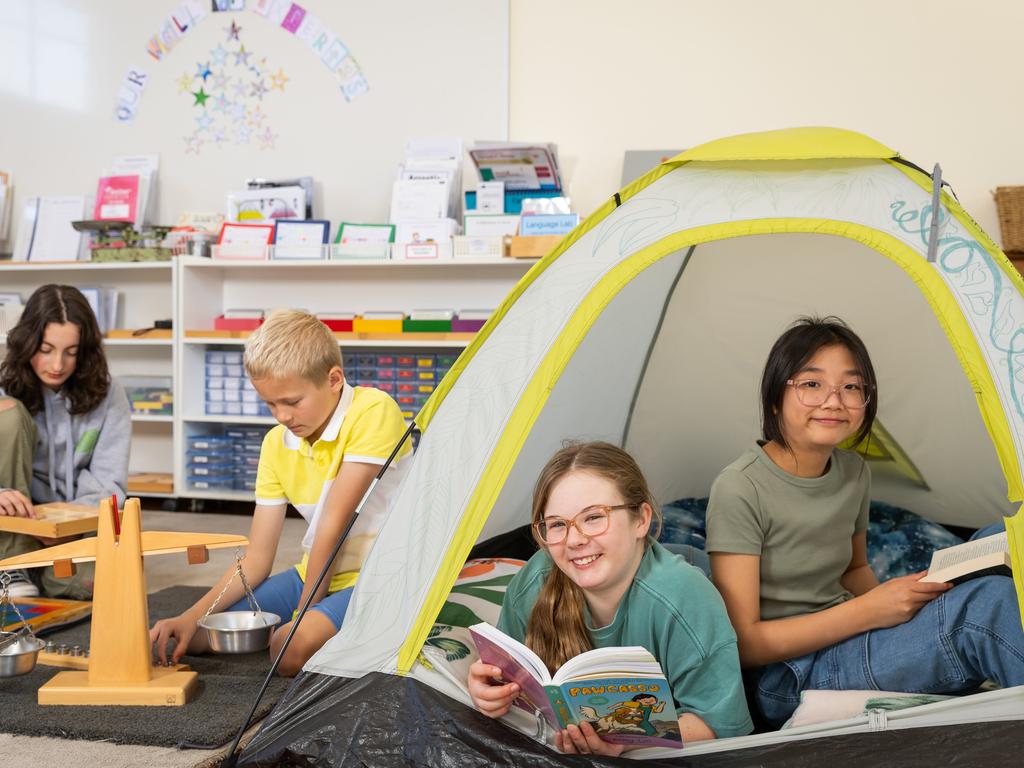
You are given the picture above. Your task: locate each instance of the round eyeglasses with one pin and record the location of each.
(592, 521)
(814, 392)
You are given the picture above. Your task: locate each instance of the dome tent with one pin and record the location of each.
(648, 326)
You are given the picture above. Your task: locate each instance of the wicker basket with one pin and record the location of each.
(1010, 204)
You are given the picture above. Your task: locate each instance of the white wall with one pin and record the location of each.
(939, 81)
(435, 68)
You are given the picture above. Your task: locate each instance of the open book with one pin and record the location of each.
(981, 557)
(621, 692)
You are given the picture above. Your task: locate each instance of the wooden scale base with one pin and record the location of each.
(120, 669)
(167, 687)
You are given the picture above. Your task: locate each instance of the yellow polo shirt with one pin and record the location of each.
(365, 427)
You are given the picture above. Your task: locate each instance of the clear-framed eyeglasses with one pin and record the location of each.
(592, 521)
(814, 392)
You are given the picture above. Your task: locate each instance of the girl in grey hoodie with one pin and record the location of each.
(65, 424)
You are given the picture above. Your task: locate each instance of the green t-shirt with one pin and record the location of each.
(673, 611)
(801, 527)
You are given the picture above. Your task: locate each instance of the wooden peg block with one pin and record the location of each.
(198, 554)
(63, 569)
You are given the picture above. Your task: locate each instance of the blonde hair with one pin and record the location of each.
(557, 628)
(291, 343)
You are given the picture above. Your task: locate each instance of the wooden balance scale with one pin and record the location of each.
(120, 664)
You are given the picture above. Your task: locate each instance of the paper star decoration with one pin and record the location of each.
(278, 80)
(218, 54)
(233, 31)
(242, 57)
(257, 116)
(204, 121)
(219, 82)
(219, 137)
(267, 139)
(240, 89)
(203, 70)
(185, 83)
(193, 144)
(220, 103)
(258, 89)
(242, 134)
(238, 112)
(201, 97)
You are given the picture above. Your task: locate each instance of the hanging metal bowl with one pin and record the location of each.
(239, 631)
(18, 656)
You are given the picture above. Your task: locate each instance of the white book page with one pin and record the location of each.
(629, 661)
(55, 239)
(961, 553)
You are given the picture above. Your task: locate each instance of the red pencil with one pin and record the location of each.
(117, 517)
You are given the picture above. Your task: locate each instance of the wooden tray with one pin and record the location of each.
(151, 482)
(54, 520)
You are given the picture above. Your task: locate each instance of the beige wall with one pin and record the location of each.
(939, 81)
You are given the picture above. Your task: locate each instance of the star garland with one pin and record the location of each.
(228, 92)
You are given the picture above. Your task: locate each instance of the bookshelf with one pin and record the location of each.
(206, 287)
(193, 291)
(146, 294)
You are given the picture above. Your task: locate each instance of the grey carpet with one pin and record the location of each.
(227, 687)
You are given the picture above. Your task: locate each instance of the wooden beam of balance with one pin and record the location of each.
(120, 665)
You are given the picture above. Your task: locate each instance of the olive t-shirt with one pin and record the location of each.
(801, 527)
(673, 611)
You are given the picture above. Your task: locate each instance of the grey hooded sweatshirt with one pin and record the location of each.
(82, 458)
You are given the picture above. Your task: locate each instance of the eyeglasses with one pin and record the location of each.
(814, 392)
(592, 521)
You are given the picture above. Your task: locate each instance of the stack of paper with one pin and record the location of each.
(520, 165)
(104, 303)
(127, 190)
(424, 198)
(45, 232)
(6, 203)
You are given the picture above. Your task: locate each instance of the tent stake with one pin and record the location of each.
(232, 757)
(933, 234)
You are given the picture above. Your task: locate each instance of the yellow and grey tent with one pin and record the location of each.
(648, 326)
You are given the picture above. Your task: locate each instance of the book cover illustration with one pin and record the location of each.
(625, 711)
(117, 198)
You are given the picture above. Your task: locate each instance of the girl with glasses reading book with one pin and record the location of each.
(600, 580)
(787, 535)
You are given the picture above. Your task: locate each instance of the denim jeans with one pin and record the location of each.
(967, 635)
(281, 593)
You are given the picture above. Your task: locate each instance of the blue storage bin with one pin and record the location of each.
(216, 370)
(215, 356)
(214, 409)
(208, 484)
(210, 471)
(215, 382)
(216, 443)
(233, 358)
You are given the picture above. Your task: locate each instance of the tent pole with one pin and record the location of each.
(654, 340)
(232, 756)
(933, 233)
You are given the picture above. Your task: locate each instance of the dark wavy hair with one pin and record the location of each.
(88, 385)
(792, 351)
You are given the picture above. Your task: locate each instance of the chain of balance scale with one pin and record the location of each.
(238, 631)
(250, 596)
(19, 649)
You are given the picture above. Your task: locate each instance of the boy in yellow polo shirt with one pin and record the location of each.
(330, 442)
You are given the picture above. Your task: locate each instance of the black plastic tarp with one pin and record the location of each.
(384, 720)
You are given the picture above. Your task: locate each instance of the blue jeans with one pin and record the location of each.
(967, 635)
(692, 555)
(281, 593)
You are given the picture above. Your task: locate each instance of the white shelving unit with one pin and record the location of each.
(146, 294)
(193, 291)
(205, 288)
